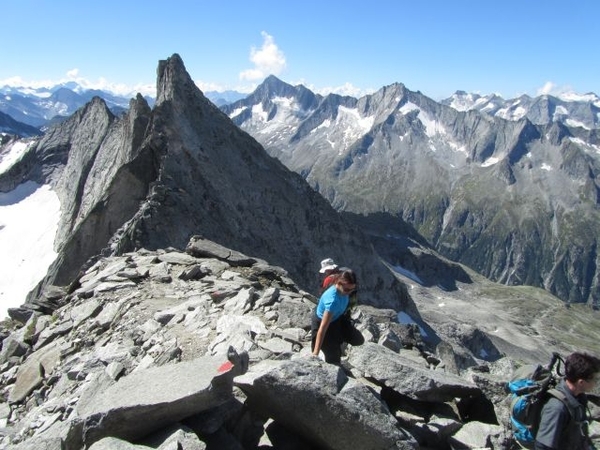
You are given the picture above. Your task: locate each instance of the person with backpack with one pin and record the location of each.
(329, 324)
(563, 419)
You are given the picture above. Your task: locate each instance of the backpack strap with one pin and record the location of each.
(563, 398)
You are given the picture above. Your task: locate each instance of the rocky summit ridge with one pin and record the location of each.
(209, 348)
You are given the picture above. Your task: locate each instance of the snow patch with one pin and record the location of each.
(574, 97)
(408, 107)
(489, 107)
(259, 112)
(29, 217)
(512, 114)
(432, 127)
(363, 124)
(236, 112)
(408, 274)
(585, 145)
(325, 124)
(457, 147)
(559, 111)
(405, 319)
(12, 154)
(576, 124)
(547, 167)
(490, 161)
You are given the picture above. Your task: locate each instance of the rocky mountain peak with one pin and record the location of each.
(173, 81)
(152, 178)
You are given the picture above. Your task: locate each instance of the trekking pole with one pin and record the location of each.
(556, 358)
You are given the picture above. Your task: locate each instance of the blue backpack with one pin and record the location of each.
(530, 388)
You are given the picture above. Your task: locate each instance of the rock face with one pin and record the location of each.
(153, 178)
(515, 201)
(164, 349)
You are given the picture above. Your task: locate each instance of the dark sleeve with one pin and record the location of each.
(539, 446)
(553, 419)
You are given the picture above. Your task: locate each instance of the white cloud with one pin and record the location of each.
(267, 60)
(549, 88)
(105, 85)
(209, 86)
(345, 89)
(20, 82)
(73, 75)
(566, 93)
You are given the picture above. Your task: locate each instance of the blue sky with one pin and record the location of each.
(507, 47)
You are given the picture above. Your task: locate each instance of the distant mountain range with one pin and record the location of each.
(572, 110)
(9, 125)
(41, 107)
(517, 200)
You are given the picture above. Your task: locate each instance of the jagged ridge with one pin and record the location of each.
(154, 177)
(511, 199)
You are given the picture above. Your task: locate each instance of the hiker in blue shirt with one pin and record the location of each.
(563, 423)
(329, 327)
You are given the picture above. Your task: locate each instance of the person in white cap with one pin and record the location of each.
(328, 268)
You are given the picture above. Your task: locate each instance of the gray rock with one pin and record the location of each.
(304, 394)
(113, 443)
(178, 258)
(405, 377)
(85, 310)
(477, 435)
(21, 314)
(294, 313)
(13, 346)
(4, 414)
(33, 371)
(277, 345)
(204, 248)
(390, 340)
(51, 333)
(138, 404)
(115, 369)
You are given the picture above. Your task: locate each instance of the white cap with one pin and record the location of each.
(327, 264)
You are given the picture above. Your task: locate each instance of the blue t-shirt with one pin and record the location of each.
(333, 301)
